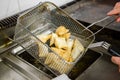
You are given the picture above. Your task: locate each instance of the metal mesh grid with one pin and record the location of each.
(8, 22)
(46, 17)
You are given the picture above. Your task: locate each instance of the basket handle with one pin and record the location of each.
(101, 20)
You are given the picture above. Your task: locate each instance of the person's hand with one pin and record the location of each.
(116, 60)
(115, 11)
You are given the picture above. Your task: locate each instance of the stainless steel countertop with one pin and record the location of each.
(102, 69)
(6, 73)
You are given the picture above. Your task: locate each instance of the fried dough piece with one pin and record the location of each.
(66, 55)
(50, 57)
(43, 50)
(70, 44)
(54, 62)
(52, 39)
(60, 65)
(58, 51)
(66, 36)
(77, 49)
(44, 37)
(60, 43)
(70, 59)
(61, 30)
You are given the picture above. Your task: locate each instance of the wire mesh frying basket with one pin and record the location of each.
(45, 18)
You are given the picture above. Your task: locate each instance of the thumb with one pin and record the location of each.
(118, 19)
(116, 60)
(113, 12)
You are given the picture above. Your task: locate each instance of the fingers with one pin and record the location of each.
(118, 19)
(114, 12)
(117, 5)
(116, 60)
(116, 9)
